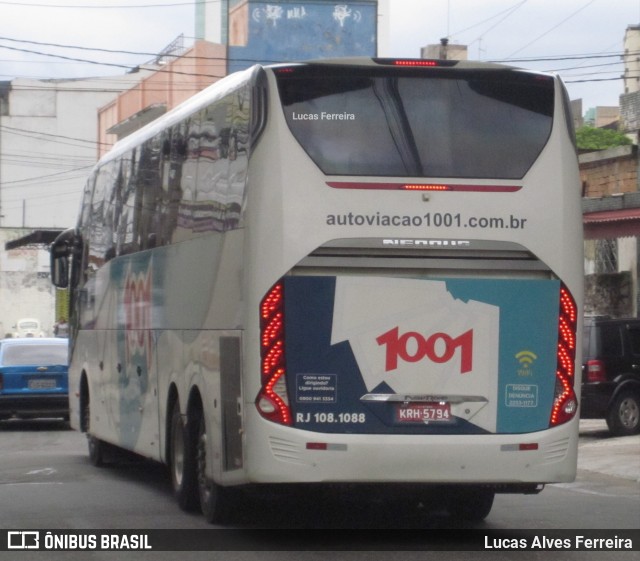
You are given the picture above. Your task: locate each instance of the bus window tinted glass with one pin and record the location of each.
(467, 124)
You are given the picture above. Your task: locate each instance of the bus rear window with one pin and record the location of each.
(487, 124)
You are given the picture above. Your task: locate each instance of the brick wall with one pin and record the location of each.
(609, 172)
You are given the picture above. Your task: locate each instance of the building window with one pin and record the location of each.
(5, 88)
(606, 256)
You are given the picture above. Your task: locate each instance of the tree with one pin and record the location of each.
(591, 138)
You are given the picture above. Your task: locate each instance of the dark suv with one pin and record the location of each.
(611, 373)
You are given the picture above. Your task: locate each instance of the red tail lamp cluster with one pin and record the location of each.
(565, 402)
(273, 401)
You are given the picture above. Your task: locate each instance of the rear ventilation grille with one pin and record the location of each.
(285, 450)
(556, 451)
(411, 254)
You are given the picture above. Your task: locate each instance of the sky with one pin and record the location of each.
(580, 39)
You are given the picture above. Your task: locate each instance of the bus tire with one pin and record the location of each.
(97, 448)
(471, 504)
(623, 418)
(182, 462)
(97, 455)
(215, 500)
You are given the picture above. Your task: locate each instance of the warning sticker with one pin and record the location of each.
(521, 395)
(316, 388)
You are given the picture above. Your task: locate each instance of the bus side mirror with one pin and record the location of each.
(59, 265)
(60, 251)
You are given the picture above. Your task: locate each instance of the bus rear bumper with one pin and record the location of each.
(510, 462)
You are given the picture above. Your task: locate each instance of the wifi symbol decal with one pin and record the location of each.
(526, 358)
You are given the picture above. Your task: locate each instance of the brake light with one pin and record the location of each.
(424, 187)
(596, 371)
(415, 62)
(565, 402)
(273, 401)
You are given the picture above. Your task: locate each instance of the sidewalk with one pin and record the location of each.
(600, 452)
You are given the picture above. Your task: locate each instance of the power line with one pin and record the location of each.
(48, 177)
(509, 14)
(49, 136)
(82, 48)
(104, 7)
(510, 10)
(552, 28)
(137, 67)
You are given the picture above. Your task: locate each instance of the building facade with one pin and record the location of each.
(173, 82)
(48, 131)
(611, 211)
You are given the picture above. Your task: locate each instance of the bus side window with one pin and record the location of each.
(99, 239)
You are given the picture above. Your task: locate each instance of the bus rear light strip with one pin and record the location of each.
(423, 187)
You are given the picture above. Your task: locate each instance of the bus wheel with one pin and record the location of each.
(471, 504)
(97, 448)
(215, 500)
(96, 451)
(182, 463)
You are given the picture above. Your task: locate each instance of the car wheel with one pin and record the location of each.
(182, 462)
(623, 418)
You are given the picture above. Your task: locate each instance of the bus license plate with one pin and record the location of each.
(41, 384)
(424, 413)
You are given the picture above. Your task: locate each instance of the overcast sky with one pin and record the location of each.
(577, 33)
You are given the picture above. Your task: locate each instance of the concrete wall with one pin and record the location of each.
(25, 285)
(47, 147)
(609, 294)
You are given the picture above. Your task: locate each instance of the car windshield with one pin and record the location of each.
(41, 354)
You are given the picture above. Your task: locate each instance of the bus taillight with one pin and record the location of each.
(565, 402)
(273, 401)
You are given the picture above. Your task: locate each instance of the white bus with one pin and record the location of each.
(360, 272)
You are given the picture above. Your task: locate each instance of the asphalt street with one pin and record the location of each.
(601, 453)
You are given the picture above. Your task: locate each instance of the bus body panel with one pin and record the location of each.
(390, 355)
(135, 354)
(294, 456)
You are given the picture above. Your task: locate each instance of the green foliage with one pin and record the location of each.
(591, 138)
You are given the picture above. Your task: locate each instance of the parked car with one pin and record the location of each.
(28, 327)
(611, 373)
(34, 378)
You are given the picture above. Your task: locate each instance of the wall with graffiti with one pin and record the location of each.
(266, 32)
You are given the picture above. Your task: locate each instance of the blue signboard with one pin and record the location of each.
(268, 32)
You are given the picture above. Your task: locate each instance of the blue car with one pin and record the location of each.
(34, 378)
